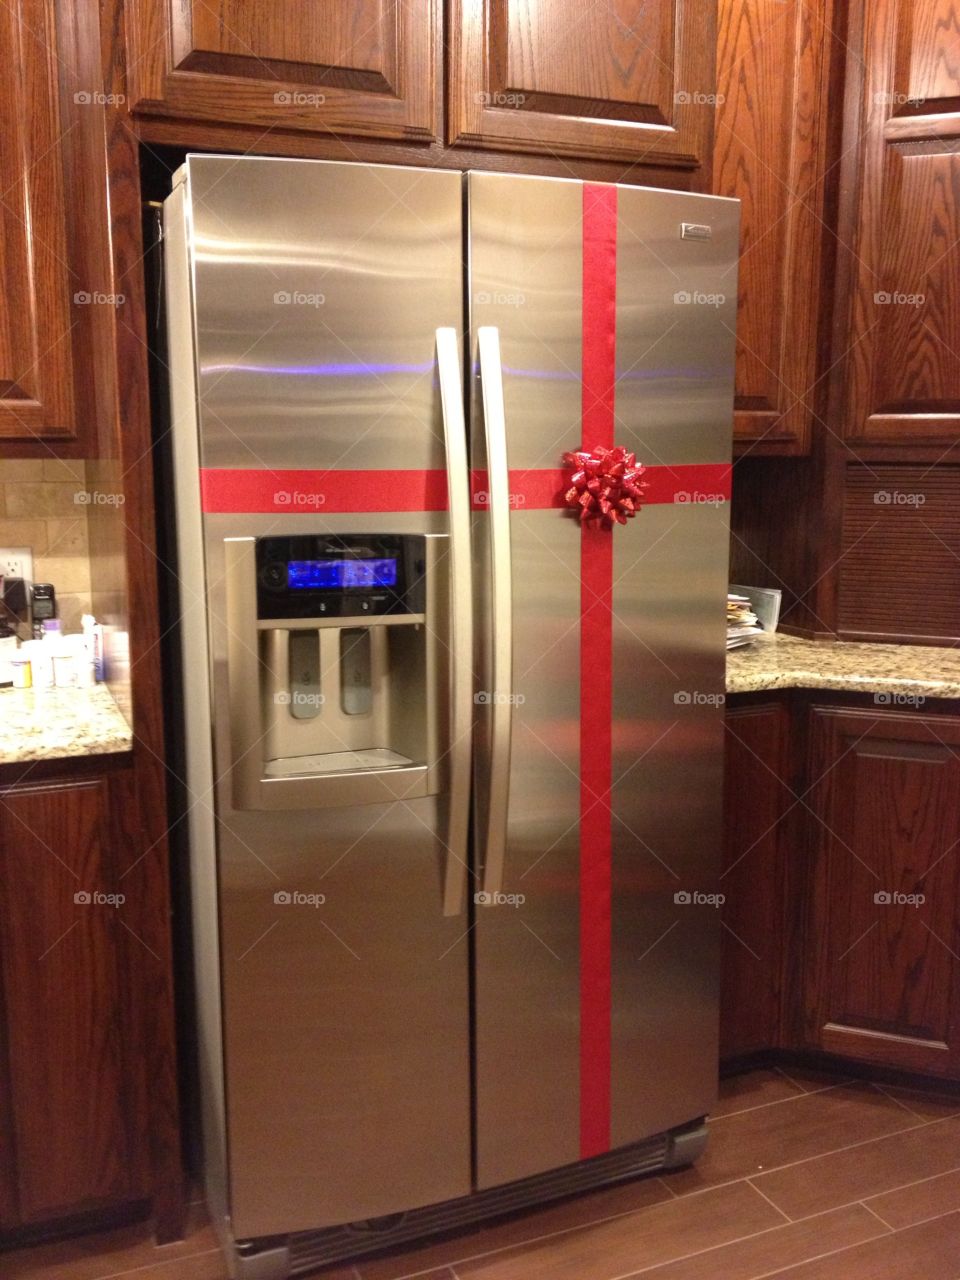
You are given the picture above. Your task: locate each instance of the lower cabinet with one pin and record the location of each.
(81, 1007)
(756, 798)
(842, 881)
(882, 955)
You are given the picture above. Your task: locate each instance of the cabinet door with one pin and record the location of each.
(883, 930)
(904, 332)
(37, 315)
(756, 797)
(60, 938)
(770, 151)
(627, 80)
(345, 66)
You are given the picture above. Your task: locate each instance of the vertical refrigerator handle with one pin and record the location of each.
(500, 694)
(461, 619)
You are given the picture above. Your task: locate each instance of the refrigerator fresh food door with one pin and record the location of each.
(327, 304)
(600, 316)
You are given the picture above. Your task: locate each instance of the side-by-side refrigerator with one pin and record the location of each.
(452, 468)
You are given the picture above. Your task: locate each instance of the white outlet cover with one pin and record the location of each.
(16, 562)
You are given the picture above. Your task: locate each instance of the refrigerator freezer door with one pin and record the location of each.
(318, 291)
(595, 1007)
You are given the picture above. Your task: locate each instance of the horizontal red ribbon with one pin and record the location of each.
(255, 491)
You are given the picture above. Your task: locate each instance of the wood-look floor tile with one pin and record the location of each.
(90, 1257)
(866, 1170)
(548, 1220)
(643, 1239)
(927, 1252)
(925, 1104)
(810, 1079)
(782, 1246)
(809, 1125)
(927, 1199)
(753, 1089)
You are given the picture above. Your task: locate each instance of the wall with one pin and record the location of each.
(42, 506)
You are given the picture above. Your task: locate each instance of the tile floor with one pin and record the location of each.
(806, 1177)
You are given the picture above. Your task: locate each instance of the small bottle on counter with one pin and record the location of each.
(22, 670)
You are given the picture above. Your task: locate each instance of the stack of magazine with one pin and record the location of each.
(743, 625)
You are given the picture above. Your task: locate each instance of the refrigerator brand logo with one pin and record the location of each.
(686, 898)
(294, 898)
(883, 898)
(495, 698)
(295, 298)
(499, 899)
(693, 698)
(894, 498)
(84, 898)
(298, 498)
(500, 299)
(482, 499)
(286, 98)
(697, 499)
(697, 298)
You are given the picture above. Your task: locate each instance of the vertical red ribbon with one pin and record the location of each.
(596, 676)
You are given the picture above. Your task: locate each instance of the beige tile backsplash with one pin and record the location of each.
(38, 509)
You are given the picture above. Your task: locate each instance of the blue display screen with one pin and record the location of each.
(333, 575)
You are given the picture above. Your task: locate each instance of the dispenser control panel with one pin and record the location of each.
(340, 575)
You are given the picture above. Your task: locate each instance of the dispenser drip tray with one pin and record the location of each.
(337, 762)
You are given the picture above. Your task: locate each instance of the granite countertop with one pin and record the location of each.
(787, 662)
(47, 724)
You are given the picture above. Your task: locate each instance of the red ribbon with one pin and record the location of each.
(606, 485)
(598, 362)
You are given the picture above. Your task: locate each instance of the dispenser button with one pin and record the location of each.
(365, 605)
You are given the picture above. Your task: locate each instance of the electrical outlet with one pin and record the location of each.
(16, 562)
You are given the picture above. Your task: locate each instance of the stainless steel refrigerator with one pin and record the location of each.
(453, 751)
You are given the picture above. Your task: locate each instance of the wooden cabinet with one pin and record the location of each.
(756, 798)
(37, 365)
(622, 81)
(882, 974)
(362, 67)
(903, 225)
(85, 1038)
(771, 152)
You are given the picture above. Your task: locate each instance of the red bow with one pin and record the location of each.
(606, 485)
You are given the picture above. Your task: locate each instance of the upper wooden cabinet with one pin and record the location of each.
(773, 72)
(620, 79)
(38, 314)
(365, 67)
(903, 226)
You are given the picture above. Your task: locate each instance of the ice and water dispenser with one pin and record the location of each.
(334, 668)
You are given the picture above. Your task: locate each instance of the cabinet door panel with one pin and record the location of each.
(58, 947)
(37, 316)
(365, 67)
(904, 383)
(883, 931)
(756, 796)
(628, 79)
(773, 69)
